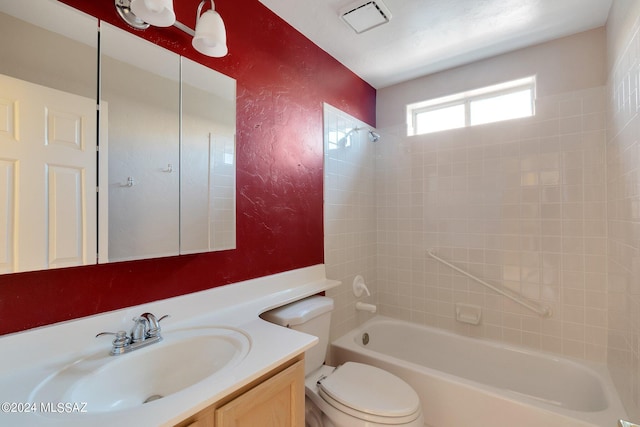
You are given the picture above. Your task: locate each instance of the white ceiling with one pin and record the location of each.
(426, 36)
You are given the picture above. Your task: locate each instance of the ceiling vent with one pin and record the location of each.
(365, 15)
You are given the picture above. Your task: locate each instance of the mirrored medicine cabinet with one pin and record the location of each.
(163, 180)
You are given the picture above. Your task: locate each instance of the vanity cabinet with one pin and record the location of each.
(273, 400)
(204, 421)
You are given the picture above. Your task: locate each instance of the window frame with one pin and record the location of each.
(465, 99)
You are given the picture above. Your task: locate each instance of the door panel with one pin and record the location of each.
(48, 178)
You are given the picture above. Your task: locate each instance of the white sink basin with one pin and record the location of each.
(112, 383)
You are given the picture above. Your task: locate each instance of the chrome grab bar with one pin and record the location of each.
(542, 310)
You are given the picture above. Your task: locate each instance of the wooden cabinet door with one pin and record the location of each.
(277, 402)
(206, 421)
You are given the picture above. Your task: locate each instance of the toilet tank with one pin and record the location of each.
(312, 316)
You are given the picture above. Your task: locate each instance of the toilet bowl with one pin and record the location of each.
(352, 394)
(355, 394)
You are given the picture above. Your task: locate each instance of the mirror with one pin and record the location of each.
(47, 136)
(140, 96)
(208, 172)
(166, 145)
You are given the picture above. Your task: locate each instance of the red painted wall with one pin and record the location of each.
(282, 81)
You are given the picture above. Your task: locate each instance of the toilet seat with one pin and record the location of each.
(370, 393)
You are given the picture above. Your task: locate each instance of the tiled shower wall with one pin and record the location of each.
(623, 203)
(349, 214)
(548, 206)
(518, 203)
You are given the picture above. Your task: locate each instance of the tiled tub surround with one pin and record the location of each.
(551, 200)
(27, 358)
(350, 214)
(519, 203)
(623, 202)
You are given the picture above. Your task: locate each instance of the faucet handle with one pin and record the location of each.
(121, 339)
(153, 323)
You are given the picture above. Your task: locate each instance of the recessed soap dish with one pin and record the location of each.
(468, 313)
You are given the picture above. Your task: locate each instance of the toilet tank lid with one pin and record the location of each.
(299, 312)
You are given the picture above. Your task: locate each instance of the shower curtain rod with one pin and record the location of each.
(542, 310)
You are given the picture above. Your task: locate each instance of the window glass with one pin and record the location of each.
(443, 118)
(504, 101)
(502, 107)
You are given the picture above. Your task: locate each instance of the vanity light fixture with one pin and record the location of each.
(209, 37)
(158, 13)
(123, 7)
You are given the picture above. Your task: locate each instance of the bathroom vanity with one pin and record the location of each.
(217, 363)
(277, 399)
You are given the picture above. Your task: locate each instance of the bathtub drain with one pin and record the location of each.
(365, 338)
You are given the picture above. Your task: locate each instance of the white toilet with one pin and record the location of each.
(353, 394)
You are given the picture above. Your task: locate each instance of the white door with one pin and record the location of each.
(47, 177)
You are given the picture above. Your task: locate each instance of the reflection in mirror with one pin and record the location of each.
(207, 189)
(140, 95)
(48, 87)
(47, 136)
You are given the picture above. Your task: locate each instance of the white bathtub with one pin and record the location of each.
(464, 382)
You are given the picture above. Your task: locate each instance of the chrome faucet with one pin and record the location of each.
(153, 324)
(145, 331)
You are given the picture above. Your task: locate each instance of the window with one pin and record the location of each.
(510, 100)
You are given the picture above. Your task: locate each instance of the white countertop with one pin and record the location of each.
(28, 358)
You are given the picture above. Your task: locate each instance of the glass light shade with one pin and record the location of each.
(211, 36)
(155, 12)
